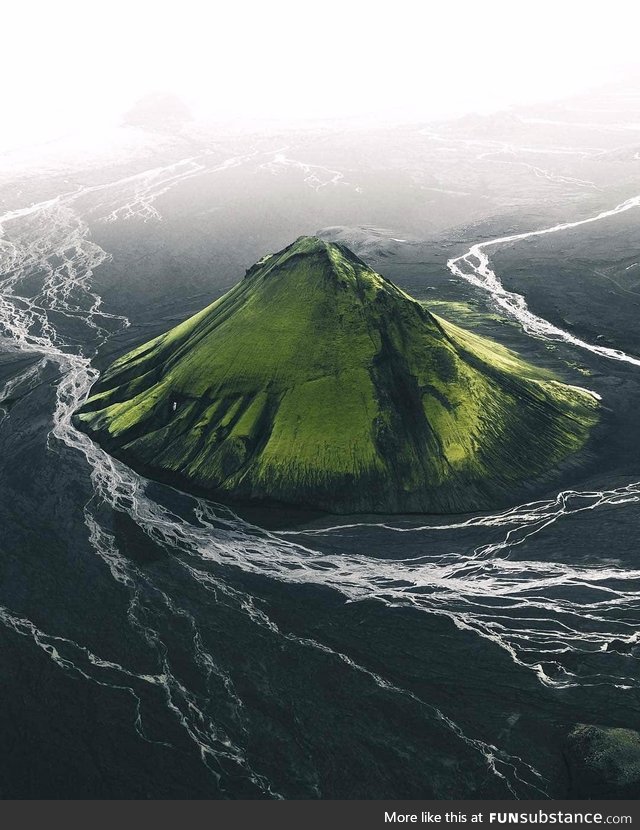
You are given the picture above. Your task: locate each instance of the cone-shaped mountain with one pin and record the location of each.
(317, 382)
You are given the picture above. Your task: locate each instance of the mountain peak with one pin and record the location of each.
(317, 382)
(317, 268)
(315, 246)
(312, 251)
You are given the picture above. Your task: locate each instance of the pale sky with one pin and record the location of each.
(83, 62)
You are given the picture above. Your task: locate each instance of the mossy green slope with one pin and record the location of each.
(317, 382)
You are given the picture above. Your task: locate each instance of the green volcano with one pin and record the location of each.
(317, 382)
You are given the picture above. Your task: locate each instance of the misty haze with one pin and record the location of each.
(366, 525)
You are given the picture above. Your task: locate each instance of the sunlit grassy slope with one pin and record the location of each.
(317, 382)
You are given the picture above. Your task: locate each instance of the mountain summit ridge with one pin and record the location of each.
(317, 382)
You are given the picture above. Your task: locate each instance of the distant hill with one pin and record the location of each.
(158, 112)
